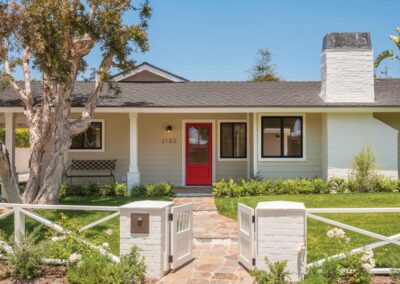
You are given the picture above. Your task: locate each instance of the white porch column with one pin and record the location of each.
(10, 138)
(133, 177)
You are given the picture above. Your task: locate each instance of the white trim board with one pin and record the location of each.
(103, 140)
(151, 69)
(184, 121)
(100, 109)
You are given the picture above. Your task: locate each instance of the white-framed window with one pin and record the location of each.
(282, 137)
(92, 140)
(232, 140)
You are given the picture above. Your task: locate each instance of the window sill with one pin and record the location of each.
(86, 150)
(232, 159)
(303, 159)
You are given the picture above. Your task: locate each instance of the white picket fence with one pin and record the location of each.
(22, 210)
(382, 240)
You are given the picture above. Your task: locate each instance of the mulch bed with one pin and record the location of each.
(50, 274)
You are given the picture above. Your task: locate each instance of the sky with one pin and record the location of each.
(211, 40)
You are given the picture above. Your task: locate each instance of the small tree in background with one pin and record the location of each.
(364, 171)
(263, 70)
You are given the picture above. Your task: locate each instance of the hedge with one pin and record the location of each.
(21, 137)
(253, 187)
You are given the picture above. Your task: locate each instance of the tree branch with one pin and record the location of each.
(79, 125)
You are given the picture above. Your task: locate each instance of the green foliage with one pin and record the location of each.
(26, 257)
(353, 268)
(152, 190)
(276, 274)
(21, 137)
(120, 189)
(263, 70)
(364, 174)
(389, 54)
(96, 268)
(93, 189)
(254, 187)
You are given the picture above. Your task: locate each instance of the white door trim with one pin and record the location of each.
(213, 146)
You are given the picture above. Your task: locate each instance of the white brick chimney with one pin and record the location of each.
(347, 68)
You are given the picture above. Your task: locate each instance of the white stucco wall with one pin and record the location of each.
(347, 75)
(346, 134)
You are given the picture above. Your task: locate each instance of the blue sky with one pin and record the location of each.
(218, 39)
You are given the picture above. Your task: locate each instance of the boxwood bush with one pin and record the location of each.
(257, 186)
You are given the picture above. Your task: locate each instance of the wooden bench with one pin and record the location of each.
(85, 166)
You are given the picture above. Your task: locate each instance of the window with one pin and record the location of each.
(233, 140)
(282, 137)
(91, 139)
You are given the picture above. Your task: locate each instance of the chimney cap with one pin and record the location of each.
(347, 40)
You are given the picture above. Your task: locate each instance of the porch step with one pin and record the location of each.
(194, 194)
(193, 191)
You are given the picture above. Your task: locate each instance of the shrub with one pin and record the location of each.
(276, 274)
(152, 190)
(253, 187)
(363, 174)
(26, 257)
(164, 189)
(337, 185)
(93, 189)
(120, 189)
(385, 185)
(353, 268)
(93, 267)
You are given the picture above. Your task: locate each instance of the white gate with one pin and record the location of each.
(181, 235)
(246, 236)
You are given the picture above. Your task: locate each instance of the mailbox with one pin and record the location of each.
(140, 223)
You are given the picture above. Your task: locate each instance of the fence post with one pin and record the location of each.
(145, 224)
(281, 235)
(19, 224)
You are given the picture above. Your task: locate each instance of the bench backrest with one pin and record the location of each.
(93, 165)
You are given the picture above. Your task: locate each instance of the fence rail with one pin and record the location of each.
(22, 210)
(382, 240)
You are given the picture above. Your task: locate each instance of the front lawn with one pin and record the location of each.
(96, 234)
(318, 244)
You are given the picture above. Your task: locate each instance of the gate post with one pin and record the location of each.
(281, 235)
(145, 224)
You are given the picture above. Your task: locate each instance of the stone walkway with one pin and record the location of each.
(215, 248)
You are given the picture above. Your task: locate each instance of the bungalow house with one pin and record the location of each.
(163, 127)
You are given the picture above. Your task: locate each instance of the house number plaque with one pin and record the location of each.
(168, 140)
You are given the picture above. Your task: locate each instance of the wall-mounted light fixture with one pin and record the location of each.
(168, 129)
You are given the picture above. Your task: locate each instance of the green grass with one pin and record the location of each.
(96, 234)
(318, 244)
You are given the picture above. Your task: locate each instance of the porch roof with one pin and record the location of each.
(216, 94)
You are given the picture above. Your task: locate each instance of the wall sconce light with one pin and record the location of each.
(168, 129)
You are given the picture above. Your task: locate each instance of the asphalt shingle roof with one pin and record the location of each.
(216, 94)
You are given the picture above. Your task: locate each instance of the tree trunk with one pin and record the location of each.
(9, 182)
(48, 193)
(35, 166)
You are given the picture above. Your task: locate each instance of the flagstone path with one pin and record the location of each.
(215, 248)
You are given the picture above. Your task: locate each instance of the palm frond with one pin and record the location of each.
(384, 55)
(396, 40)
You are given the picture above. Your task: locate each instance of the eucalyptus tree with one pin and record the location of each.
(55, 38)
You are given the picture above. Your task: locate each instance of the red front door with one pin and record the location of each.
(198, 154)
